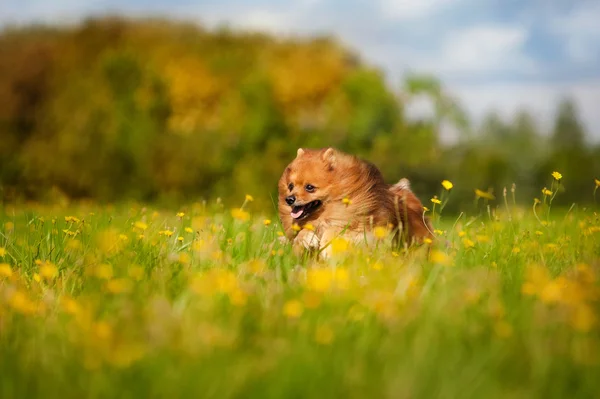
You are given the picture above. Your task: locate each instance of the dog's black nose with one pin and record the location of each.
(290, 200)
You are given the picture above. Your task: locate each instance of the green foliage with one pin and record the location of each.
(151, 109)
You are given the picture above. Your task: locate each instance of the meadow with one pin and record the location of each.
(209, 301)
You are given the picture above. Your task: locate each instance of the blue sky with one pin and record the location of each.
(490, 54)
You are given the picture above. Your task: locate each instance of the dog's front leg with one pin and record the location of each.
(306, 240)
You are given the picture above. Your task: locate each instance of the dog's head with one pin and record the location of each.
(306, 183)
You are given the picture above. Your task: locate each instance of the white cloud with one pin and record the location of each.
(484, 48)
(411, 9)
(581, 29)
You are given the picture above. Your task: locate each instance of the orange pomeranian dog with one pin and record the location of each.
(332, 193)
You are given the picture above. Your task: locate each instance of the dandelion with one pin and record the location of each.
(516, 250)
(427, 240)
(438, 232)
(346, 201)
(280, 233)
(547, 192)
(119, 286)
(557, 176)
(319, 280)
(180, 215)
(597, 182)
(468, 243)
(447, 184)
(425, 209)
(538, 233)
(339, 245)
(293, 309)
(140, 225)
(536, 201)
(166, 233)
(249, 198)
(48, 271)
(435, 200)
(461, 234)
(309, 226)
(380, 232)
(180, 238)
(440, 257)
(267, 222)
(2, 252)
(484, 194)
(5, 270)
(296, 227)
(240, 214)
(71, 219)
(188, 230)
(37, 278)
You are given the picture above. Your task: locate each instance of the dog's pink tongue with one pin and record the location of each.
(297, 213)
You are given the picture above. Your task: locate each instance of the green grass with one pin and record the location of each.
(108, 305)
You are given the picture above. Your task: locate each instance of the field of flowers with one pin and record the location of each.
(207, 301)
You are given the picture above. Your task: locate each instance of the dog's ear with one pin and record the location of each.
(299, 153)
(329, 157)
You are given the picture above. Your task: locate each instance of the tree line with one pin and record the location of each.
(151, 109)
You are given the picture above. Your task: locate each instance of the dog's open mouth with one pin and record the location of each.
(302, 211)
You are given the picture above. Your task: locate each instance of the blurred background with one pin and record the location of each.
(180, 100)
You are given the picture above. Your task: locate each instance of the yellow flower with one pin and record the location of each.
(280, 233)
(468, 243)
(440, 258)
(380, 232)
(538, 233)
(536, 201)
(435, 200)
(461, 234)
(267, 222)
(119, 286)
(180, 238)
(318, 279)
(240, 214)
(447, 184)
(249, 198)
(484, 194)
(2, 252)
(557, 176)
(167, 233)
(545, 191)
(48, 271)
(140, 225)
(516, 250)
(37, 277)
(425, 209)
(295, 227)
(309, 226)
(293, 309)
(71, 219)
(427, 240)
(188, 230)
(346, 201)
(180, 215)
(438, 232)
(5, 270)
(597, 182)
(339, 245)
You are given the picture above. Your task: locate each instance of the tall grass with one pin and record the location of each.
(130, 301)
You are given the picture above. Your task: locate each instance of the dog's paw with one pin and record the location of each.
(306, 240)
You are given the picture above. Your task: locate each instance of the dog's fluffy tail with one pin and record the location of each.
(412, 212)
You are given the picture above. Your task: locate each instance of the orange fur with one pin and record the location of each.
(336, 176)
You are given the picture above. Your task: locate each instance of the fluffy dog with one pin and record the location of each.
(340, 194)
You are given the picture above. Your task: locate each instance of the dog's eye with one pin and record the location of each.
(310, 188)
(290, 186)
